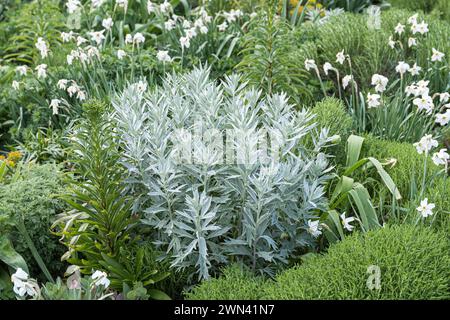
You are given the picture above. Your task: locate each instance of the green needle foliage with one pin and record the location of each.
(101, 218)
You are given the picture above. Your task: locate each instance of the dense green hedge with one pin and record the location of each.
(408, 163)
(413, 262)
(330, 113)
(33, 196)
(234, 284)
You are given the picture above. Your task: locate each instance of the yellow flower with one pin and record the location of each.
(14, 156)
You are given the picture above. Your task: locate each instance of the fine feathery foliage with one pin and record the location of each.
(209, 206)
(413, 263)
(235, 283)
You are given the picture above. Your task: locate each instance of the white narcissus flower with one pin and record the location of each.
(54, 104)
(169, 24)
(346, 80)
(412, 42)
(97, 3)
(415, 69)
(72, 5)
(340, 57)
(310, 64)
(184, 42)
(163, 56)
(41, 71)
(22, 285)
(128, 38)
(413, 19)
(373, 100)
(70, 59)
(203, 29)
(138, 38)
(186, 24)
(191, 33)
(22, 70)
(437, 55)
(67, 36)
(121, 54)
(253, 15)
(100, 279)
(402, 67)
(314, 228)
(165, 7)
(424, 103)
(81, 95)
(151, 7)
(425, 144)
(62, 84)
(327, 67)
(122, 4)
(399, 29)
(93, 52)
(15, 85)
(97, 36)
(411, 90)
(141, 86)
(391, 43)
(441, 158)
(222, 27)
(346, 222)
(107, 23)
(422, 88)
(444, 97)
(422, 27)
(443, 118)
(73, 88)
(425, 208)
(380, 82)
(80, 41)
(41, 45)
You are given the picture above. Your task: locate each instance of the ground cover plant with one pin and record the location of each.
(255, 149)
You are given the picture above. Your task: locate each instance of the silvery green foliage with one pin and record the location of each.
(253, 205)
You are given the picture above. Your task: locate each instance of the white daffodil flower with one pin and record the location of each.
(412, 42)
(425, 144)
(425, 208)
(346, 80)
(22, 70)
(424, 103)
(41, 45)
(443, 118)
(314, 228)
(121, 54)
(184, 42)
(41, 71)
(15, 85)
(340, 57)
(107, 23)
(72, 5)
(444, 97)
(399, 29)
(380, 82)
(310, 64)
(97, 36)
(327, 67)
(437, 55)
(138, 38)
(402, 67)
(346, 222)
(54, 104)
(415, 69)
(163, 56)
(373, 100)
(100, 279)
(441, 158)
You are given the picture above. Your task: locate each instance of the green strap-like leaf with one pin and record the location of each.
(354, 145)
(9, 256)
